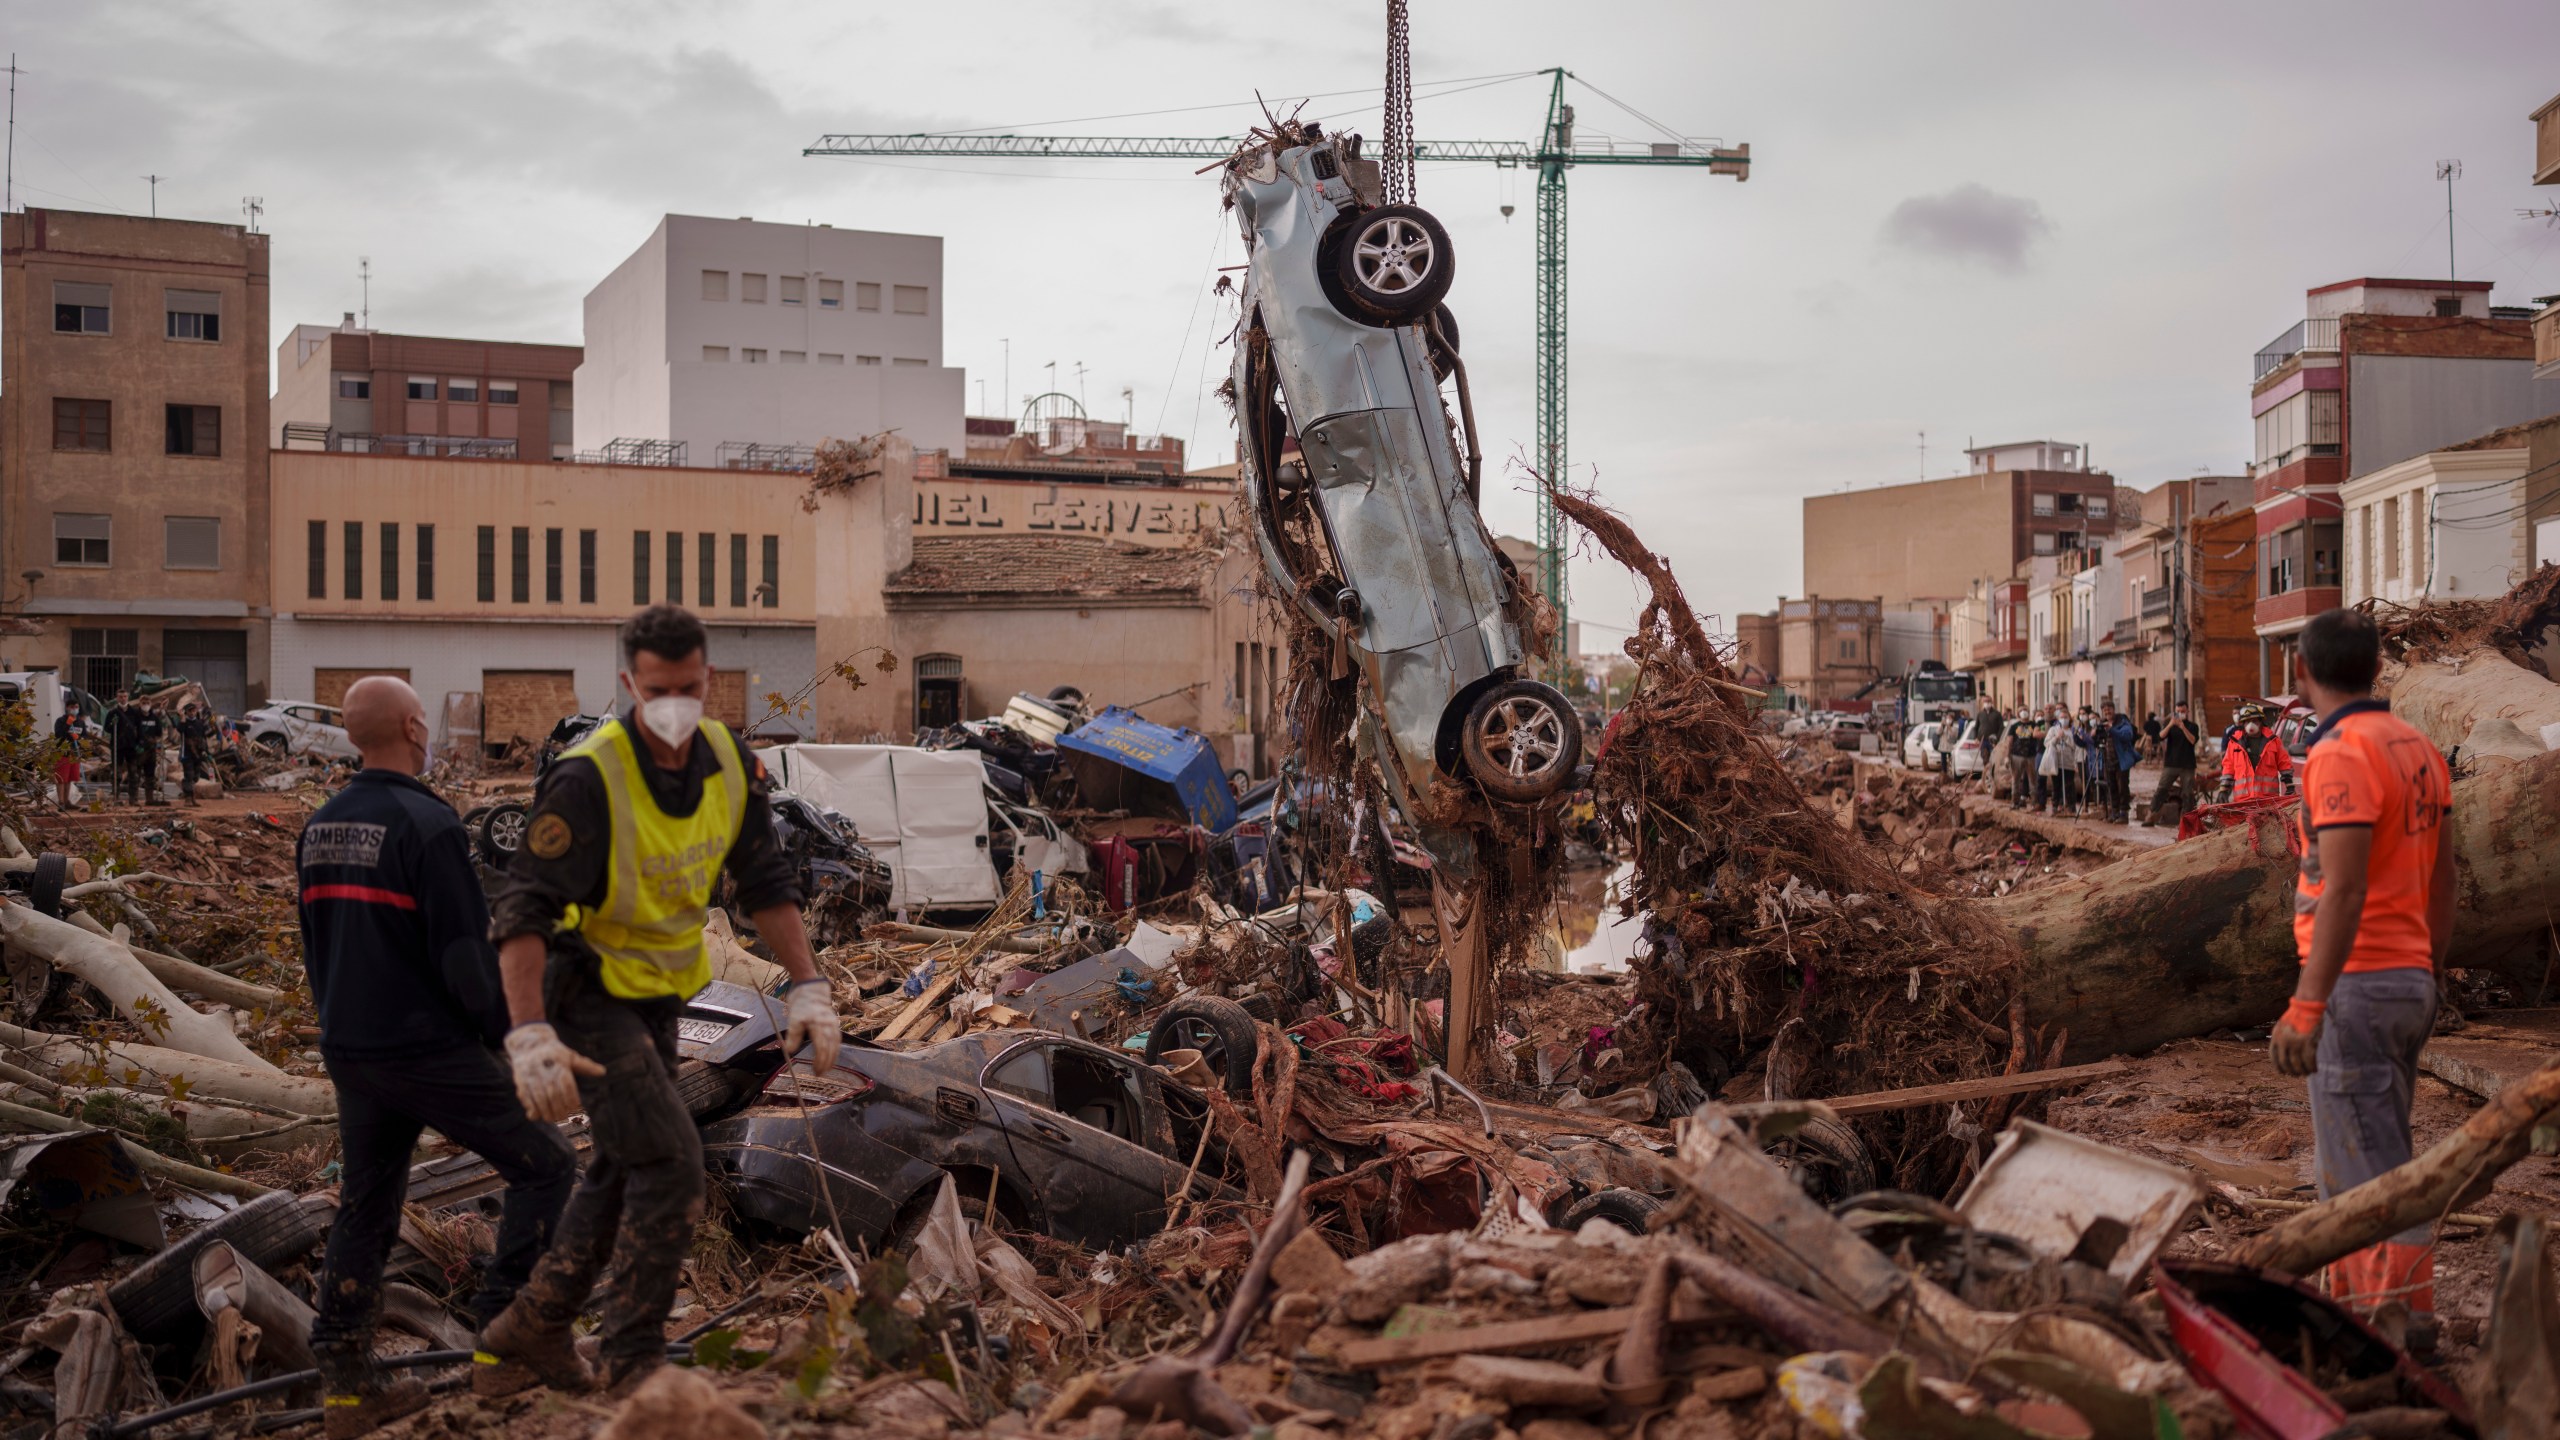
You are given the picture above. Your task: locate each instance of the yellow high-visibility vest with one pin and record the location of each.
(660, 873)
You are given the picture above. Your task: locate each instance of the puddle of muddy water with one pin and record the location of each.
(1588, 936)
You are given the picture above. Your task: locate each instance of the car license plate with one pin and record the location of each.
(702, 1032)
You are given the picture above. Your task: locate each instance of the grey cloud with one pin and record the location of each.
(1969, 224)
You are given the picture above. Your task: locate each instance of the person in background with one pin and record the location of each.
(2176, 790)
(2024, 743)
(2372, 921)
(1989, 729)
(124, 744)
(2121, 742)
(395, 937)
(2057, 763)
(2151, 729)
(2254, 763)
(195, 739)
(69, 729)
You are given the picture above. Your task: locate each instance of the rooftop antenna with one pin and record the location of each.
(2449, 171)
(1128, 408)
(364, 277)
(155, 193)
(1924, 454)
(9, 181)
(253, 206)
(1079, 382)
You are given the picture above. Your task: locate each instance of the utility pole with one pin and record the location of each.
(155, 193)
(9, 183)
(253, 206)
(2449, 171)
(364, 277)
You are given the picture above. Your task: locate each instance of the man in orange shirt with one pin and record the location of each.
(2372, 917)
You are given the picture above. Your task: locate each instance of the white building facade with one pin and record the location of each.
(2446, 525)
(719, 335)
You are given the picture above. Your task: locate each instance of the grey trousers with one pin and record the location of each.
(2376, 1024)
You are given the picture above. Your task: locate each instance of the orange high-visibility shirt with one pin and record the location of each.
(2370, 768)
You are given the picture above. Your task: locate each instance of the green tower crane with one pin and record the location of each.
(1557, 150)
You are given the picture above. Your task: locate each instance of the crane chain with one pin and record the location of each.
(1396, 149)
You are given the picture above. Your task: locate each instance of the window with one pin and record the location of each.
(771, 589)
(715, 284)
(502, 392)
(706, 556)
(2098, 507)
(911, 364)
(751, 288)
(2070, 503)
(826, 359)
(354, 387)
(353, 561)
(2040, 503)
(738, 571)
(520, 569)
(422, 387)
(103, 661)
(675, 567)
(462, 392)
(830, 294)
(388, 534)
(79, 309)
(751, 356)
(79, 539)
(795, 357)
(195, 429)
(551, 566)
(2327, 541)
(795, 289)
(194, 315)
(2044, 544)
(586, 567)
(2303, 424)
(910, 299)
(488, 564)
(866, 359)
(639, 567)
(866, 296)
(426, 562)
(715, 354)
(318, 560)
(194, 542)
(80, 424)
(2391, 544)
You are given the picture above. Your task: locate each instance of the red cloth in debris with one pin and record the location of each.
(1356, 1060)
(2388, 1271)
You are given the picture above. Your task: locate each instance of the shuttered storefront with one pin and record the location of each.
(525, 703)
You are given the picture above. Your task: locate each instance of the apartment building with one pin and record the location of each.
(1933, 540)
(133, 449)
(343, 388)
(2181, 602)
(1830, 651)
(728, 343)
(1987, 634)
(2452, 524)
(2377, 371)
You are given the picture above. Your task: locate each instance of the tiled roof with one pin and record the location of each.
(1061, 565)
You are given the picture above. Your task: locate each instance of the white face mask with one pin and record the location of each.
(669, 717)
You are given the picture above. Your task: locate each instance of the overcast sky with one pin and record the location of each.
(1987, 221)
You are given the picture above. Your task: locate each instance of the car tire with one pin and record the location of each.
(1395, 263)
(1218, 1028)
(273, 740)
(1521, 741)
(501, 834)
(1827, 1159)
(1629, 1210)
(1067, 695)
(157, 1301)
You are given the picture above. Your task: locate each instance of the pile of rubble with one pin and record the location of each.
(1941, 841)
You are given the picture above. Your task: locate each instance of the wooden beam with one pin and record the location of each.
(1877, 1101)
(920, 1006)
(1505, 1336)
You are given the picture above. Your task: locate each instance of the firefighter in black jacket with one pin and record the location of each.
(395, 937)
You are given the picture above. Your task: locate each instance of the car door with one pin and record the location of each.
(1076, 1119)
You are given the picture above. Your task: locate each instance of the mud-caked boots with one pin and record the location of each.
(519, 1350)
(357, 1398)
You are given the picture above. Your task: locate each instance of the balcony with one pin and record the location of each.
(2305, 335)
(1987, 652)
(2155, 607)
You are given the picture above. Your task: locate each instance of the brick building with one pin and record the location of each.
(1934, 540)
(133, 449)
(367, 392)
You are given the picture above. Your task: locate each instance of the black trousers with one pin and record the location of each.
(467, 1096)
(642, 1191)
(129, 768)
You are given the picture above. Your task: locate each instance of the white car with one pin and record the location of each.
(299, 727)
(1920, 746)
(1965, 757)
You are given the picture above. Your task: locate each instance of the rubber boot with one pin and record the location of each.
(356, 1400)
(517, 1351)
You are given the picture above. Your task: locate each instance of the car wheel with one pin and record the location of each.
(1827, 1159)
(1067, 695)
(272, 740)
(1216, 1027)
(1629, 1210)
(1442, 326)
(1395, 263)
(1521, 740)
(501, 835)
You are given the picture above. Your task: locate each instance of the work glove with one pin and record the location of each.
(2294, 1044)
(546, 1071)
(811, 1020)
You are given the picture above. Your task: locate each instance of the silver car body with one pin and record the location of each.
(1376, 441)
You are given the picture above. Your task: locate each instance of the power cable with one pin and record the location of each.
(1217, 243)
(1667, 132)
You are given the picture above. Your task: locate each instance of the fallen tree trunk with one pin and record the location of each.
(180, 974)
(211, 1079)
(176, 1172)
(2462, 1163)
(2198, 936)
(136, 993)
(2449, 698)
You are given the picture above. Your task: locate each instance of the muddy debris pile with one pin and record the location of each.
(1925, 826)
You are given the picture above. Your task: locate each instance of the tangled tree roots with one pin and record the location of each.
(1766, 912)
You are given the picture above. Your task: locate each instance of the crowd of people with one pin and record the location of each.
(2053, 760)
(132, 739)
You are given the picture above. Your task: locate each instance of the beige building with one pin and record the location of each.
(363, 390)
(494, 587)
(1830, 650)
(133, 449)
(1935, 540)
(2447, 525)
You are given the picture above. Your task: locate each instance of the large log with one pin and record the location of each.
(2198, 936)
(187, 975)
(211, 1079)
(137, 994)
(2449, 698)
